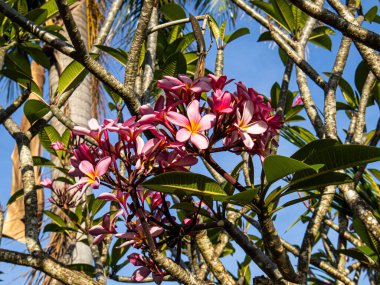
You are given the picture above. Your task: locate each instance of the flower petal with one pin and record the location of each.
(86, 167)
(93, 124)
(103, 165)
(107, 197)
(193, 111)
(248, 112)
(247, 140)
(199, 140)
(183, 135)
(140, 274)
(257, 128)
(207, 122)
(178, 119)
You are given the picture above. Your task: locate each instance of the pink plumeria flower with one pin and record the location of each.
(137, 237)
(47, 183)
(220, 102)
(193, 126)
(93, 174)
(218, 82)
(246, 127)
(93, 131)
(298, 101)
(58, 146)
(148, 266)
(107, 227)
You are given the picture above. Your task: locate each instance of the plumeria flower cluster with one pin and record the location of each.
(183, 124)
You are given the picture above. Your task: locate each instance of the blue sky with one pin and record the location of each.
(258, 66)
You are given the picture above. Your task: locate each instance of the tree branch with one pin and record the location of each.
(369, 38)
(47, 265)
(132, 65)
(263, 261)
(263, 21)
(71, 27)
(369, 55)
(87, 61)
(6, 113)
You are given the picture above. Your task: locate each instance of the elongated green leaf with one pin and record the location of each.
(272, 11)
(266, 36)
(73, 74)
(287, 14)
(35, 51)
(214, 28)
(278, 166)
(174, 65)
(361, 74)
(371, 14)
(120, 55)
(42, 161)
(49, 135)
(347, 91)
(35, 110)
(186, 42)
(173, 12)
(22, 80)
(17, 195)
(38, 16)
(184, 183)
(190, 57)
(275, 94)
(293, 112)
(52, 9)
(343, 156)
(312, 147)
(229, 188)
(319, 180)
(235, 35)
(55, 218)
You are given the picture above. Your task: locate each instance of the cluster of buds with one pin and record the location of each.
(180, 127)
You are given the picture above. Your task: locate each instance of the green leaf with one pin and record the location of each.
(297, 135)
(265, 36)
(371, 14)
(318, 181)
(35, 51)
(235, 35)
(343, 156)
(312, 147)
(361, 74)
(22, 80)
(186, 42)
(278, 166)
(272, 11)
(293, 112)
(184, 183)
(38, 16)
(52, 9)
(275, 94)
(42, 161)
(118, 54)
(375, 172)
(56, 219)
(347, 91)
(287, 14)
(49, 135)
(190, 57)
(229, 188)
(17, 195)
(214, 28)
(35, 110)
(174, 65)
(73, 75)
(174, 34)
(18, 61)
(323, 41)
(173, 12)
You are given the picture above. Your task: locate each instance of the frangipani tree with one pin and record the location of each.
(148, 208)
